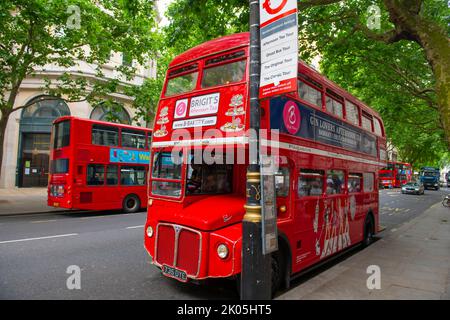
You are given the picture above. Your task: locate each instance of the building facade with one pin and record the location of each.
(27, 139)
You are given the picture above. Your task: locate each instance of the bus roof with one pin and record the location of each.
(238, 40)
(119, 125)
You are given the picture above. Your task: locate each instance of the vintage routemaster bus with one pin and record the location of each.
(395, 174)
(96, 165)
(331, 146)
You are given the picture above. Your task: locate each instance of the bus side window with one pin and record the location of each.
(368, 182)
(335, 182)
(112, 175)
(95, 175)
(354, 182)
(310, 183)
(282, 182)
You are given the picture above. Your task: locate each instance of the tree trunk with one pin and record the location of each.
(4, 116)
(432, 37)
(437, 48)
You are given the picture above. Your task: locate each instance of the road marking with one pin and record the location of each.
(393, 230)
(43, 221)
(135, 227)
(40, 238)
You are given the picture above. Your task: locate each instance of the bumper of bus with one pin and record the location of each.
(194, 253)
(61, 201)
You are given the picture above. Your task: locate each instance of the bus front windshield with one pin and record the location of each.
(166, 174)
(202, 178)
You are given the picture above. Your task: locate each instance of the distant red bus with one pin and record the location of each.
(97, 165)
(395, 174)
(331, 146)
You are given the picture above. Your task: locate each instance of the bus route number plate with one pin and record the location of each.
(174, 273)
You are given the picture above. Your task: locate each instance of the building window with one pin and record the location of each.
(310, 94)
(111, 113)
(95, 175)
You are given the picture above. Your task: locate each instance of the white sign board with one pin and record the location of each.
(279, 47)
(207, 104)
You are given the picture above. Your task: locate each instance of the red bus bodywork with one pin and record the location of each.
(395, 174)
(184, 231)
(87, 176)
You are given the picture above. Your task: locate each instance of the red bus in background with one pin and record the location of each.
(331, 147)
(395, 174)
(97, 165)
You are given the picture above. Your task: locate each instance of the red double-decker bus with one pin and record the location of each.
(331, 147)
(96, 165)
(395, 174)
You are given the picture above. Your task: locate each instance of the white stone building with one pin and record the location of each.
(28, 131)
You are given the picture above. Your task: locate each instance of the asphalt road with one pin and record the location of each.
(36, 250)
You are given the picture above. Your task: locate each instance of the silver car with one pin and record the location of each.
(413, 187)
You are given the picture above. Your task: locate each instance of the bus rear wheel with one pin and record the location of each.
(368, 231)
(131, 203)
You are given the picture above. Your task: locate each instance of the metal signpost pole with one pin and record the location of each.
(256, 267)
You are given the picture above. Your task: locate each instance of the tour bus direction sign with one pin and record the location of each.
(279, 47)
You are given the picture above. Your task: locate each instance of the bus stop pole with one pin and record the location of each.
(256, 267)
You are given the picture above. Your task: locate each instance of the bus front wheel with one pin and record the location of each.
(131, 204)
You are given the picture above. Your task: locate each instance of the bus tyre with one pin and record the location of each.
(368, 231)
(131, 203)
(278, 271)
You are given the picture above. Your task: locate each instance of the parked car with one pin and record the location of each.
(413, 187)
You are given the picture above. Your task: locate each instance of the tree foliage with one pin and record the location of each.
(388, 66)
(38, 33)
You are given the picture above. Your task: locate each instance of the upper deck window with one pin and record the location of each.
(367, 122)
(61, 134)
(133, 139)
(310, 94)
(352, 113)
(334, 106)
(216, 73)
(105, 135)
(377, 127)
(182, 80)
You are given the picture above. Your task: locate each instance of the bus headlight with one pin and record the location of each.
(222, 251)
(149, 231)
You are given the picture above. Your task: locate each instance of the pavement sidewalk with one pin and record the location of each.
(24, 200)
(414, 261)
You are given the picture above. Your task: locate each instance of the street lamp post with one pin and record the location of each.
(256, 267)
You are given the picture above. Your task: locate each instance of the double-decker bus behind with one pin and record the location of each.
(331, 147)
(96, 165)
(395, 174)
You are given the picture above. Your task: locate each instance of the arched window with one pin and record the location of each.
(113, 113)
(44, 109)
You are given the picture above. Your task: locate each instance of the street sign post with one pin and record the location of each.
(269, 232)
(279, 47)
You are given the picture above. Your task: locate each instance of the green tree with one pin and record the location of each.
(400, 67)
(36, 33)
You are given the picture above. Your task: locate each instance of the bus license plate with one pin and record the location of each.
(174, 273)
(56, 204)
